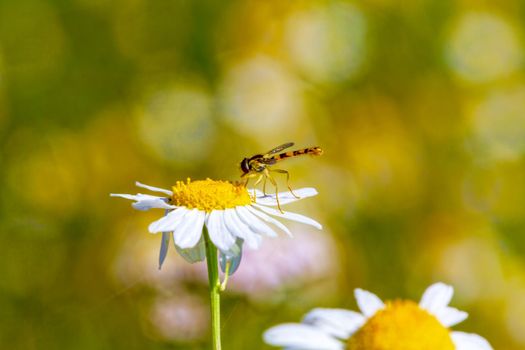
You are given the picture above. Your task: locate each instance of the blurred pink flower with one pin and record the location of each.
(180, 318)
(282, 262)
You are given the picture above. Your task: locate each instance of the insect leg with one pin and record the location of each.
(264, 186)
(287, 180)
(272, 180)
(256, 183)
(248, 177)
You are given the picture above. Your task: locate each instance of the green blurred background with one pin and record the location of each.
(419, 106)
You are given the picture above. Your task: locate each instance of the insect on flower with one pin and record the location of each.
(259, 166)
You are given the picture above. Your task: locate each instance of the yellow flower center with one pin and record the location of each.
(209, 194)
(401, 325)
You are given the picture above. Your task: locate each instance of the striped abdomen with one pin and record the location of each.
(314, 151)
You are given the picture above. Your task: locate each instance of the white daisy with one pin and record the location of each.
(394, 325)
(231, 216)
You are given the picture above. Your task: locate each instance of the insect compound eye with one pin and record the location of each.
(245, 166)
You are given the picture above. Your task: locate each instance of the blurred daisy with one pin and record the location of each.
(396, 325)
(230, 214)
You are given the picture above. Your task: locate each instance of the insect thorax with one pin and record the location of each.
(255, 164)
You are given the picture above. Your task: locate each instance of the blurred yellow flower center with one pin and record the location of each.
(401, 325)
(209, 194)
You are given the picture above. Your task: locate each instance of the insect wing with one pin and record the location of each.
(267, 161)
(278, 149)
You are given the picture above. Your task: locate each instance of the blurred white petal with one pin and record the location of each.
(368, 303)
(449, 316)
(436, 297)
(469, 341)
(337, 322)
(301, 336)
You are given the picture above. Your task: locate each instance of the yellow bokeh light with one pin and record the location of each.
(66, 171)
(382, 155)
(469, 263)
(499, 123)
(261, 98)
(327, 42)
(175, 123)
(483, 47)
(50, 178)
(515, 310)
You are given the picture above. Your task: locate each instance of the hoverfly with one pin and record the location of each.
(259, 166)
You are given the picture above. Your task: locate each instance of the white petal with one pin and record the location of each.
(240, 229)
(145, 201)
(290, 216)
(149, 204)
(449, 316)
(284, 197)
(188, 233)
(221, 237)
(469, 341)
(269, 219)
(235, 249)
(154, 189)
(164, 244)
(337, 322)
(169, 222)
(233, 256)
(195, 254)
(368, 303)
(436, 297)
(254, 222)
(301, 336)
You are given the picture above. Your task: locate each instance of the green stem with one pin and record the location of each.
(214, 285)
